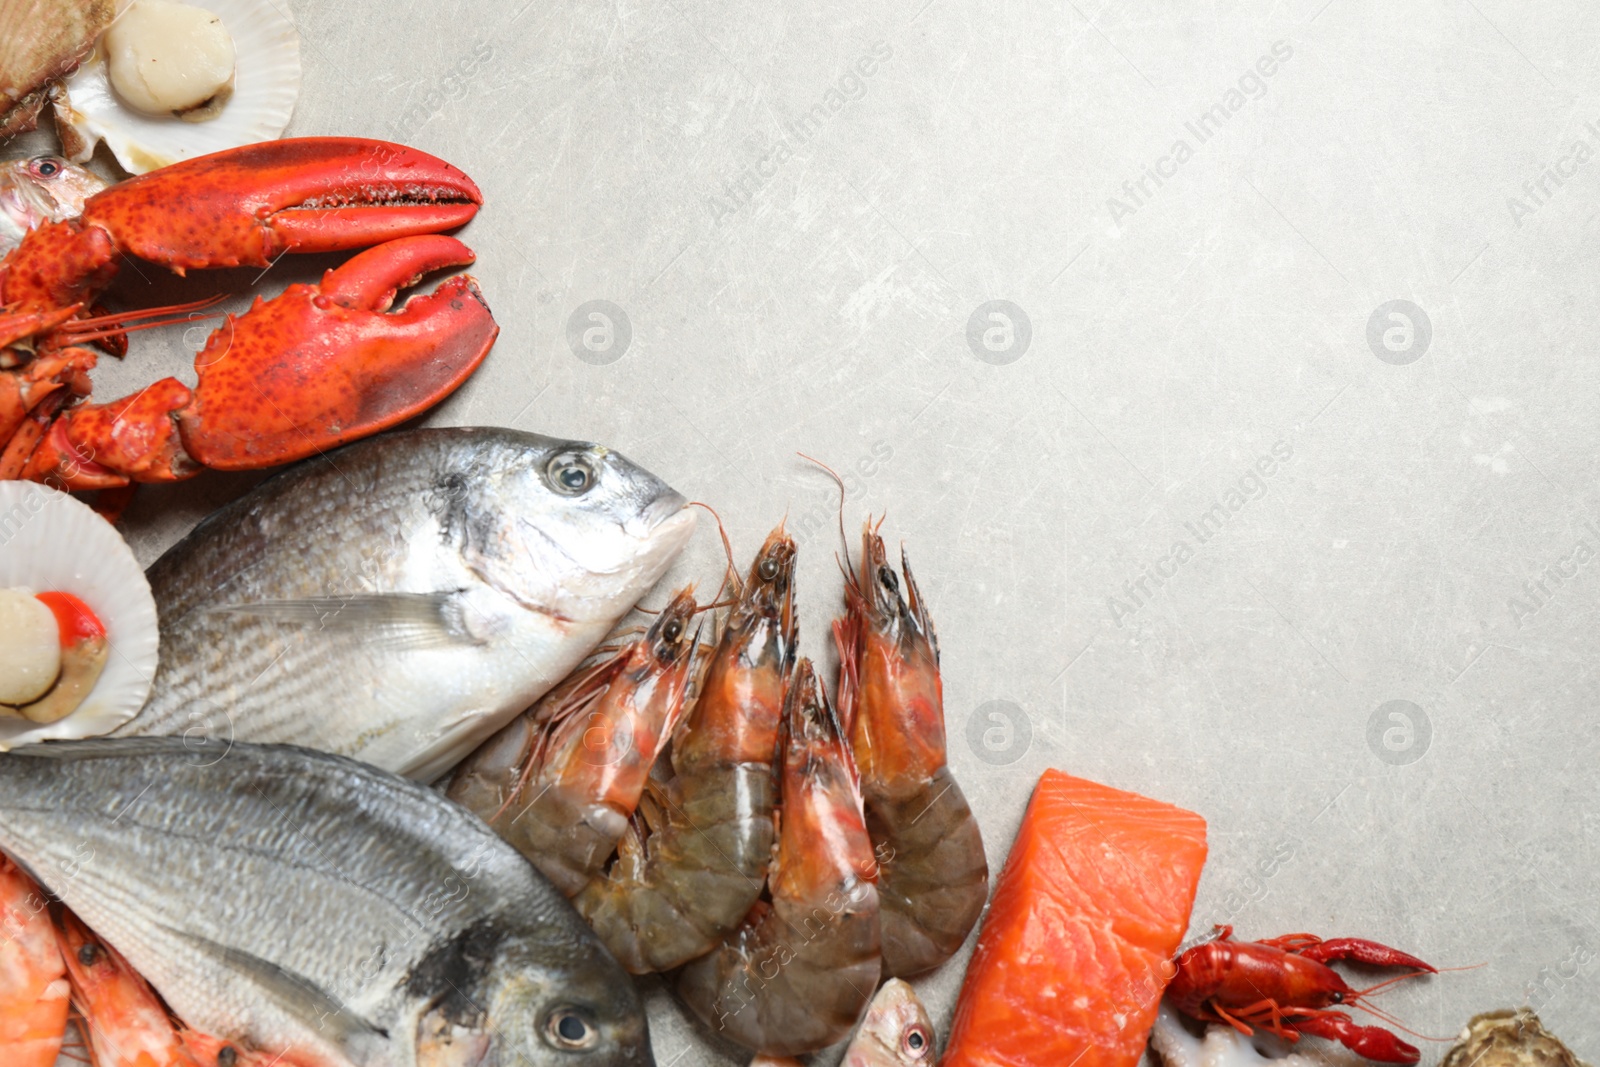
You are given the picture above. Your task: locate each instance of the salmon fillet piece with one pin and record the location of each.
(1078, 944)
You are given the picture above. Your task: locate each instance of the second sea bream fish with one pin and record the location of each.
(39, 190)
(399, 600)
(316, 909)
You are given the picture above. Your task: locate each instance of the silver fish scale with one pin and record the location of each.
(339, 873)
(213, 667)
(364, 544)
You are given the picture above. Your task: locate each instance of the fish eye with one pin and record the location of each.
(915, 1043)
(568, 1029)
(768, 569)
(46, 166)
(570, 475)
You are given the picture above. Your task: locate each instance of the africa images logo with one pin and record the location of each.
(1250, 86)
(769, 156)
(1252, 485)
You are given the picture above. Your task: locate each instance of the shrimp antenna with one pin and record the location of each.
(843, 540)
(583, 688)
(732, 573)
(76, 1048)
(689, 589)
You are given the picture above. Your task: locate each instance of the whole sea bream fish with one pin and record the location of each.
(399, 600)
(316, 908)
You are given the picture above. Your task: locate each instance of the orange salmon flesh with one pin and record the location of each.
(1078, 944)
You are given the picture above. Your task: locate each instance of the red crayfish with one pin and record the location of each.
(1284, 986)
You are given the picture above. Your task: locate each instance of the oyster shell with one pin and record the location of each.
(1508, 1038)
(266, 85)
(41, 40)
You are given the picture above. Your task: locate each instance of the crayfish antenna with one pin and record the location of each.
(1359, 1002)
(1387, 982)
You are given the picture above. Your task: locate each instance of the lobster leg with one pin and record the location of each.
(26, 437)
(1373, 1042)
(1356, 949)
(104, 446)
(23, 324)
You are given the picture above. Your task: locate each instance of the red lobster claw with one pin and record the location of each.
(313, 368)
(1373, 1042)
(318, 366)
(247, 206)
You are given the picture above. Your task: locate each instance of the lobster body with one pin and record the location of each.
(1284, 986)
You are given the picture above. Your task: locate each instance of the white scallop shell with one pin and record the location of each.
(266, 47)
(52, 542)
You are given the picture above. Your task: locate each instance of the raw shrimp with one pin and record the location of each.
(561, 780)
(799, 972)
(694, 858)
(34, 995)
(934, 875)
(124, 1022)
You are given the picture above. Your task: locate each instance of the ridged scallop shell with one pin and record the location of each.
(266, 47)
(40, 40)
(50, 541)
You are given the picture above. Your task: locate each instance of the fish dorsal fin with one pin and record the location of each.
(359, 1040)
(400, 621)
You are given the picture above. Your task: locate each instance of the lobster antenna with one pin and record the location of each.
(99, 327)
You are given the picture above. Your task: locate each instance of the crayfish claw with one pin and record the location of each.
(1360, 950)
(1372, 1042)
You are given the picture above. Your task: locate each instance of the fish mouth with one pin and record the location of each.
(668, 520)
(664, 508)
